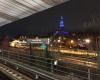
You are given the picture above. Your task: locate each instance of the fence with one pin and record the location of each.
(56, 66)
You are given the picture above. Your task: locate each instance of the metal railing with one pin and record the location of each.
(54, 66)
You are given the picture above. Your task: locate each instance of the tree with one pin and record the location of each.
(5, 41)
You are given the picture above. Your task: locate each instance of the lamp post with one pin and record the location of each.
(87, 41)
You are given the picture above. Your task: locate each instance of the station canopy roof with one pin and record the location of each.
(12, 10)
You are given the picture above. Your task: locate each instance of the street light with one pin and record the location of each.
(72, 41)
(51, 45)
(59, 41)
(87, 41)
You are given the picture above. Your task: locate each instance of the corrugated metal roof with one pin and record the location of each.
(12, 10)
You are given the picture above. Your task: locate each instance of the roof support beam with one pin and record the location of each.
(8, 17)
(49, 2)
(54, 2)
(23, 5)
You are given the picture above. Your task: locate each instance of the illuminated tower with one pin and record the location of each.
(61, 26)
(60, 32)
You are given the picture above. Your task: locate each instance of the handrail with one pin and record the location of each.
(47, 63)
(35, 70)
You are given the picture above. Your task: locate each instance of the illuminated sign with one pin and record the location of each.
(43, 46)
(38, 41)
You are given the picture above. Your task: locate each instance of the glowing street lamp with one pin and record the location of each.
(51, 45)
(87, 41)
(72, 41)
(59, 41)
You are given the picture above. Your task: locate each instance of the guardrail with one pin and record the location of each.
(54, 66)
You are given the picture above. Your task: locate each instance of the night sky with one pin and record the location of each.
(79, 16)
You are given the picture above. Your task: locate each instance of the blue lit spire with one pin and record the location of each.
(61, 27)
(61, 22)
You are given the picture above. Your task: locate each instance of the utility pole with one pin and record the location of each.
(89, 74)
(30, 49)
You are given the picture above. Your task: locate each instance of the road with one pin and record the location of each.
(78, 61)
(63, 51)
